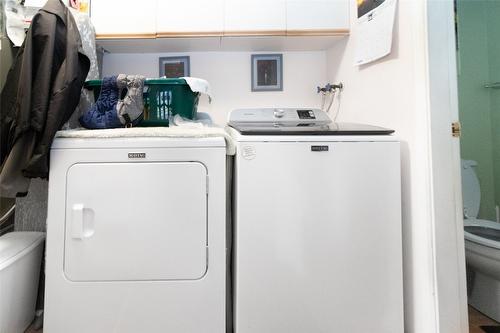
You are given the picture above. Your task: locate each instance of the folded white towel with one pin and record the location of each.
(199, 85)
(169, 132)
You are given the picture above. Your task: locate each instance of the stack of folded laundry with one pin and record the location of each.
(113, 111)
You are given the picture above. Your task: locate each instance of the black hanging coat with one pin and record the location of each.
(41, 92)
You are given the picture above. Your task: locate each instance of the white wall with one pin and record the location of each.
(229, 76)
(394, 92)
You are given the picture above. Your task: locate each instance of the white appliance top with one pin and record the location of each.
(295, 121)
(14, 244)
(239, 138)
(137, 142)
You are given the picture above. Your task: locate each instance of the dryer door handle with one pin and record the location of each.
(82, 222)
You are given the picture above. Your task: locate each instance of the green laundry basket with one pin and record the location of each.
(162, 98)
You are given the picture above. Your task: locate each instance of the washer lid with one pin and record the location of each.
(292, 121)
(14, 244)
(278, 128)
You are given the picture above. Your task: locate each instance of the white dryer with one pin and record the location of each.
(317, 240)
(136, 236)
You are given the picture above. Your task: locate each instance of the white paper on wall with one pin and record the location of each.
(374, 30)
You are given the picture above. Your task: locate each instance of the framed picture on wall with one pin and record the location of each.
(267, 72)
(172, 67)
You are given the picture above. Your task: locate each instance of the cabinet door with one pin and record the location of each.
(136, 221)
(125, 17)
(255, 17)
(190, 17)
(319, 15)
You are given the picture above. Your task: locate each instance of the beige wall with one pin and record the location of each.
(229, 75)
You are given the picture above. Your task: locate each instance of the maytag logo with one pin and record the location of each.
(136, 155)
(319, 148)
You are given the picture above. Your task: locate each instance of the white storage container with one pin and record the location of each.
(20, 261)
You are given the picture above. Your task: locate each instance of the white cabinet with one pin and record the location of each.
(190, 18)
(255, 17)
(216, 18)
(129, 18)
(291, 17)
(317, 15)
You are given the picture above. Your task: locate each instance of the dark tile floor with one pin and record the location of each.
(31, 330)
(477, 319)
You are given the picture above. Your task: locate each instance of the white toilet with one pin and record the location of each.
(20, 261)
(482, 247)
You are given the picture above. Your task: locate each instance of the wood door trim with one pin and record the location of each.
(184, 34)
(318, 32)
(250, 33)
(236, 33)
(126, 36)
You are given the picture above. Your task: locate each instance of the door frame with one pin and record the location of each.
(447, 224)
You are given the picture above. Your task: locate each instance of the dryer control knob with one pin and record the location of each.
(279, 113)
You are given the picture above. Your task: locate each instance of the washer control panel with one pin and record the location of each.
(302, 116)
(279, 113)
(295, 121)
(306, 114)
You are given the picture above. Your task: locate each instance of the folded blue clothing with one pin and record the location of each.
(103, 113)
(94, 119)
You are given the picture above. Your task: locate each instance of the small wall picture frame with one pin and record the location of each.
(173, 67)
(267, 72)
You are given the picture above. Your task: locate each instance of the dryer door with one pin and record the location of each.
(136, 221)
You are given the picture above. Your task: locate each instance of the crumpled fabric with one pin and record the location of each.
(41, 92)
(87, 35)
(18, 19)
(130, 109)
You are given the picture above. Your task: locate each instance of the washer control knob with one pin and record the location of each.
(279, 113)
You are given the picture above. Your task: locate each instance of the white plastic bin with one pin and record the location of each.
(20, 261)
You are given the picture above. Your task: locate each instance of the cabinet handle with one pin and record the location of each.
(494, 85)
(82, 222)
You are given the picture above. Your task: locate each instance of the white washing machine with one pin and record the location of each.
(317, 225)
(136, 236)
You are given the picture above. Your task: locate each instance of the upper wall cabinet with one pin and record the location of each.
(184, 18)
(254, 17)
(124, 18)
(215, 18)
(320, 17)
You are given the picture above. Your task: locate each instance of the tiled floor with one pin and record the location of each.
(31, 330)
(477, 319)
